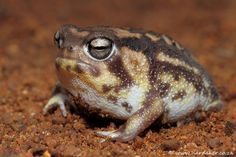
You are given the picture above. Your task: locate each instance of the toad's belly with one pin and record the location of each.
(179, 109)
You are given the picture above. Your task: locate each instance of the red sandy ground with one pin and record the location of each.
(207, 28)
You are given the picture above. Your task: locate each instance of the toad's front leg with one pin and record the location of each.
(59, 98)
(137, 123)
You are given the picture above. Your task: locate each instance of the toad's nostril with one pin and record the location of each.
(58, 39)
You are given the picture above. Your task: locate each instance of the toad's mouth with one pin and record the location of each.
(75, 66)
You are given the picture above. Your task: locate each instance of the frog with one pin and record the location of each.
(133, 75)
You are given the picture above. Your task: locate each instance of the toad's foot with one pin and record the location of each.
(136, 123)
(119, 135)
(55, 101)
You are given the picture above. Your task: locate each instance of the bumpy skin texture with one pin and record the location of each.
(135, 75)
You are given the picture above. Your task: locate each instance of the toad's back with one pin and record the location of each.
(174, 75)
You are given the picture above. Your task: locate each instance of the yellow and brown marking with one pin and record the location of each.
(171, 42)
(107, 79)
(154, 38)
(167, 39)
(137, 66)
(80, 34)
(176, 62)
(121, 33)
(175, 85)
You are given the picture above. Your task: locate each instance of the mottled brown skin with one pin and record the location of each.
(130, 74)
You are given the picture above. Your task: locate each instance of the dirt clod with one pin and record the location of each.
(230, 128)
(170, 145)
(214, 143)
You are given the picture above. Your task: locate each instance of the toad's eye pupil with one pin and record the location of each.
(100, 48)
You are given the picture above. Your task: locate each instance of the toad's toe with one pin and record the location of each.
(55, 101)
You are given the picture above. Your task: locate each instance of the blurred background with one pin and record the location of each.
(206, 27)
(204, 20)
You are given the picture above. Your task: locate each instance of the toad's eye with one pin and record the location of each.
(100, 48)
